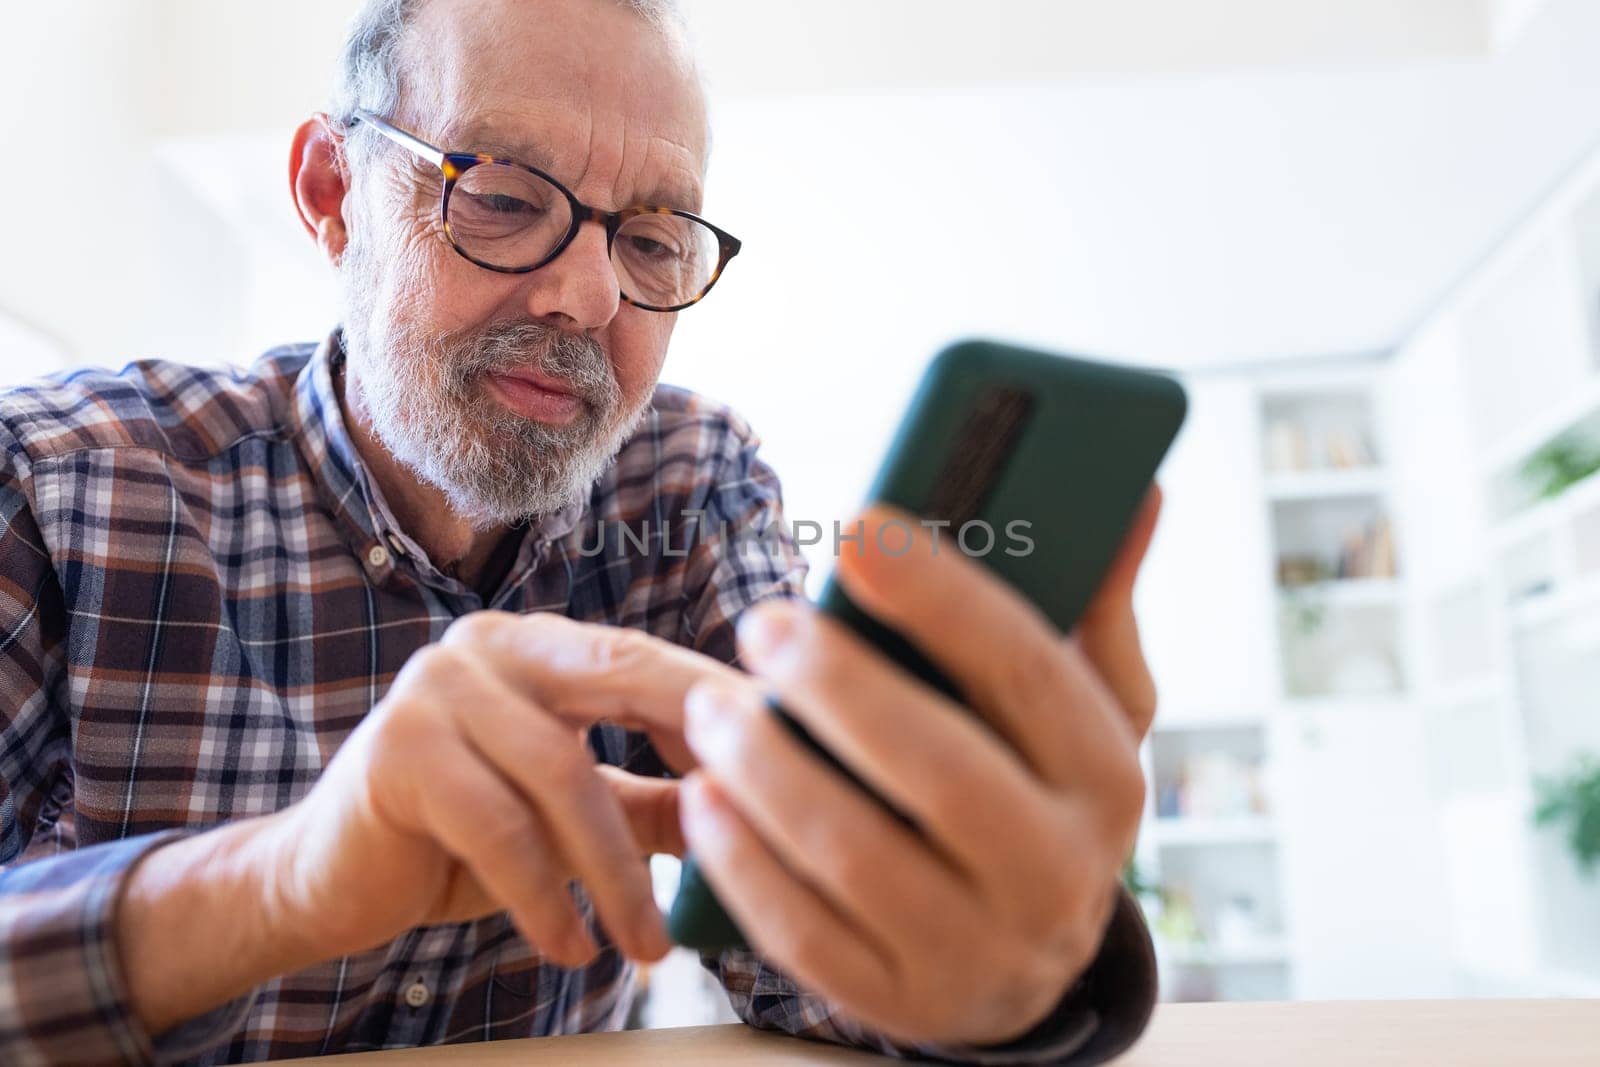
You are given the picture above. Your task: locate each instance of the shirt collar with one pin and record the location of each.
(352, 495)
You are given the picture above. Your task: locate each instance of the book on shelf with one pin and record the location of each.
(1365, 553)
(1347, 449)
(1368, 552)
(1292, 449)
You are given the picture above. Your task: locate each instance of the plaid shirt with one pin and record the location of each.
(201, 594)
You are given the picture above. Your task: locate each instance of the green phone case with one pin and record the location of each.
(1000, 435)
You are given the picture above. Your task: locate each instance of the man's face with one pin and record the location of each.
(450, 361)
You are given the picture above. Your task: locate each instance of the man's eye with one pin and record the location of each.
(652, 249)
(500, 204)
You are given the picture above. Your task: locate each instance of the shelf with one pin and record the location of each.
(1267, 951)
(1562, 601)
(1546, 514)
(1489, 687)
(1326, 484)
(1354, 651)
(1348, 592)
(1389, 703)
(1332, 539)
(1205, 722)
(1197, 832)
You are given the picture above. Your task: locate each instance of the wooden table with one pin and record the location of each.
(1415, 1033)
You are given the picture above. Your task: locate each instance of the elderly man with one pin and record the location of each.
(338, 711)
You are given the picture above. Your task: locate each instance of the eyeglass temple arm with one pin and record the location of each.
(402, 138)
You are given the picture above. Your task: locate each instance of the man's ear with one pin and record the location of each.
(320, 181)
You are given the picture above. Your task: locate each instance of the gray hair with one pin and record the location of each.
(368, 77)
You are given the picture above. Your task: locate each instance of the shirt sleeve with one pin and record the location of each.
(748, 556)
(63, 995)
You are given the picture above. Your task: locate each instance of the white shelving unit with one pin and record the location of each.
(1506, 590)
(1346, 736)
(1268, 880)
(1337, 565)
(1400, 715)
(1211, 841)
(1325, 485)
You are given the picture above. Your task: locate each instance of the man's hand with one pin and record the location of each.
(470, 789)
(467, 790)
(973, 930)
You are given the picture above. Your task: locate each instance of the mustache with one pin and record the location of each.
(577, 359)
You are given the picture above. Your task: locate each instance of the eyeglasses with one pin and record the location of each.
(513, 219)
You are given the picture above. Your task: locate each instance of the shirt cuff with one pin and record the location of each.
(64, 996)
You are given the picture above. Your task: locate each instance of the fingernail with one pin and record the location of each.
(699, 815)
(704, 711)
(762, 633)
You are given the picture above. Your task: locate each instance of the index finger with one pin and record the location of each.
(583, 673)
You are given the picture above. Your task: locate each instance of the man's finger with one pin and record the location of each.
(1109, 631)
(1117, 586)
(786, 921)
(926, 756)
(482, 820)
(1007, 659)
(584, 673)
(651, 808)
(558, 777)
(872, 868)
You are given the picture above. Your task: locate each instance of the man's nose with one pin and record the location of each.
(579, 287)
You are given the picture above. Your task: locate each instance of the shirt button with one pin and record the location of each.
(417, 994)
(378, 556)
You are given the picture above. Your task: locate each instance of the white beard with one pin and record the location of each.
(430, 406)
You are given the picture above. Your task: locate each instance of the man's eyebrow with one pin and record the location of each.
(670, 193)
(515, 151)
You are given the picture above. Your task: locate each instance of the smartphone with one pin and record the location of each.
(1032, 463)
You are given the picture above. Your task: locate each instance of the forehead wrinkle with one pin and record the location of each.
(679, 185)
(661, 175)
(489, 106)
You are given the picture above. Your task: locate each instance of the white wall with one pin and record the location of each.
(80, 241)
(105, 253)
(1206, 592)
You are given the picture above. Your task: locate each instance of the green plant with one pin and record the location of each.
(1305, 612)
(1573, 801)
(1560, 464)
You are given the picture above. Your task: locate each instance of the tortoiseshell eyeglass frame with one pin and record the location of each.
(454, 164)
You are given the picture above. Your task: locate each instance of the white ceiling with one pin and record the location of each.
(833, 45)
(1280, 178)
(1313, 179)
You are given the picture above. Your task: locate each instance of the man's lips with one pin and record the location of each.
(537, 396)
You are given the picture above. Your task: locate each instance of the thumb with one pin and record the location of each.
(651, 808)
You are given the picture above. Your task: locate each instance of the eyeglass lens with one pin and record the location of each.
(510, 218)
